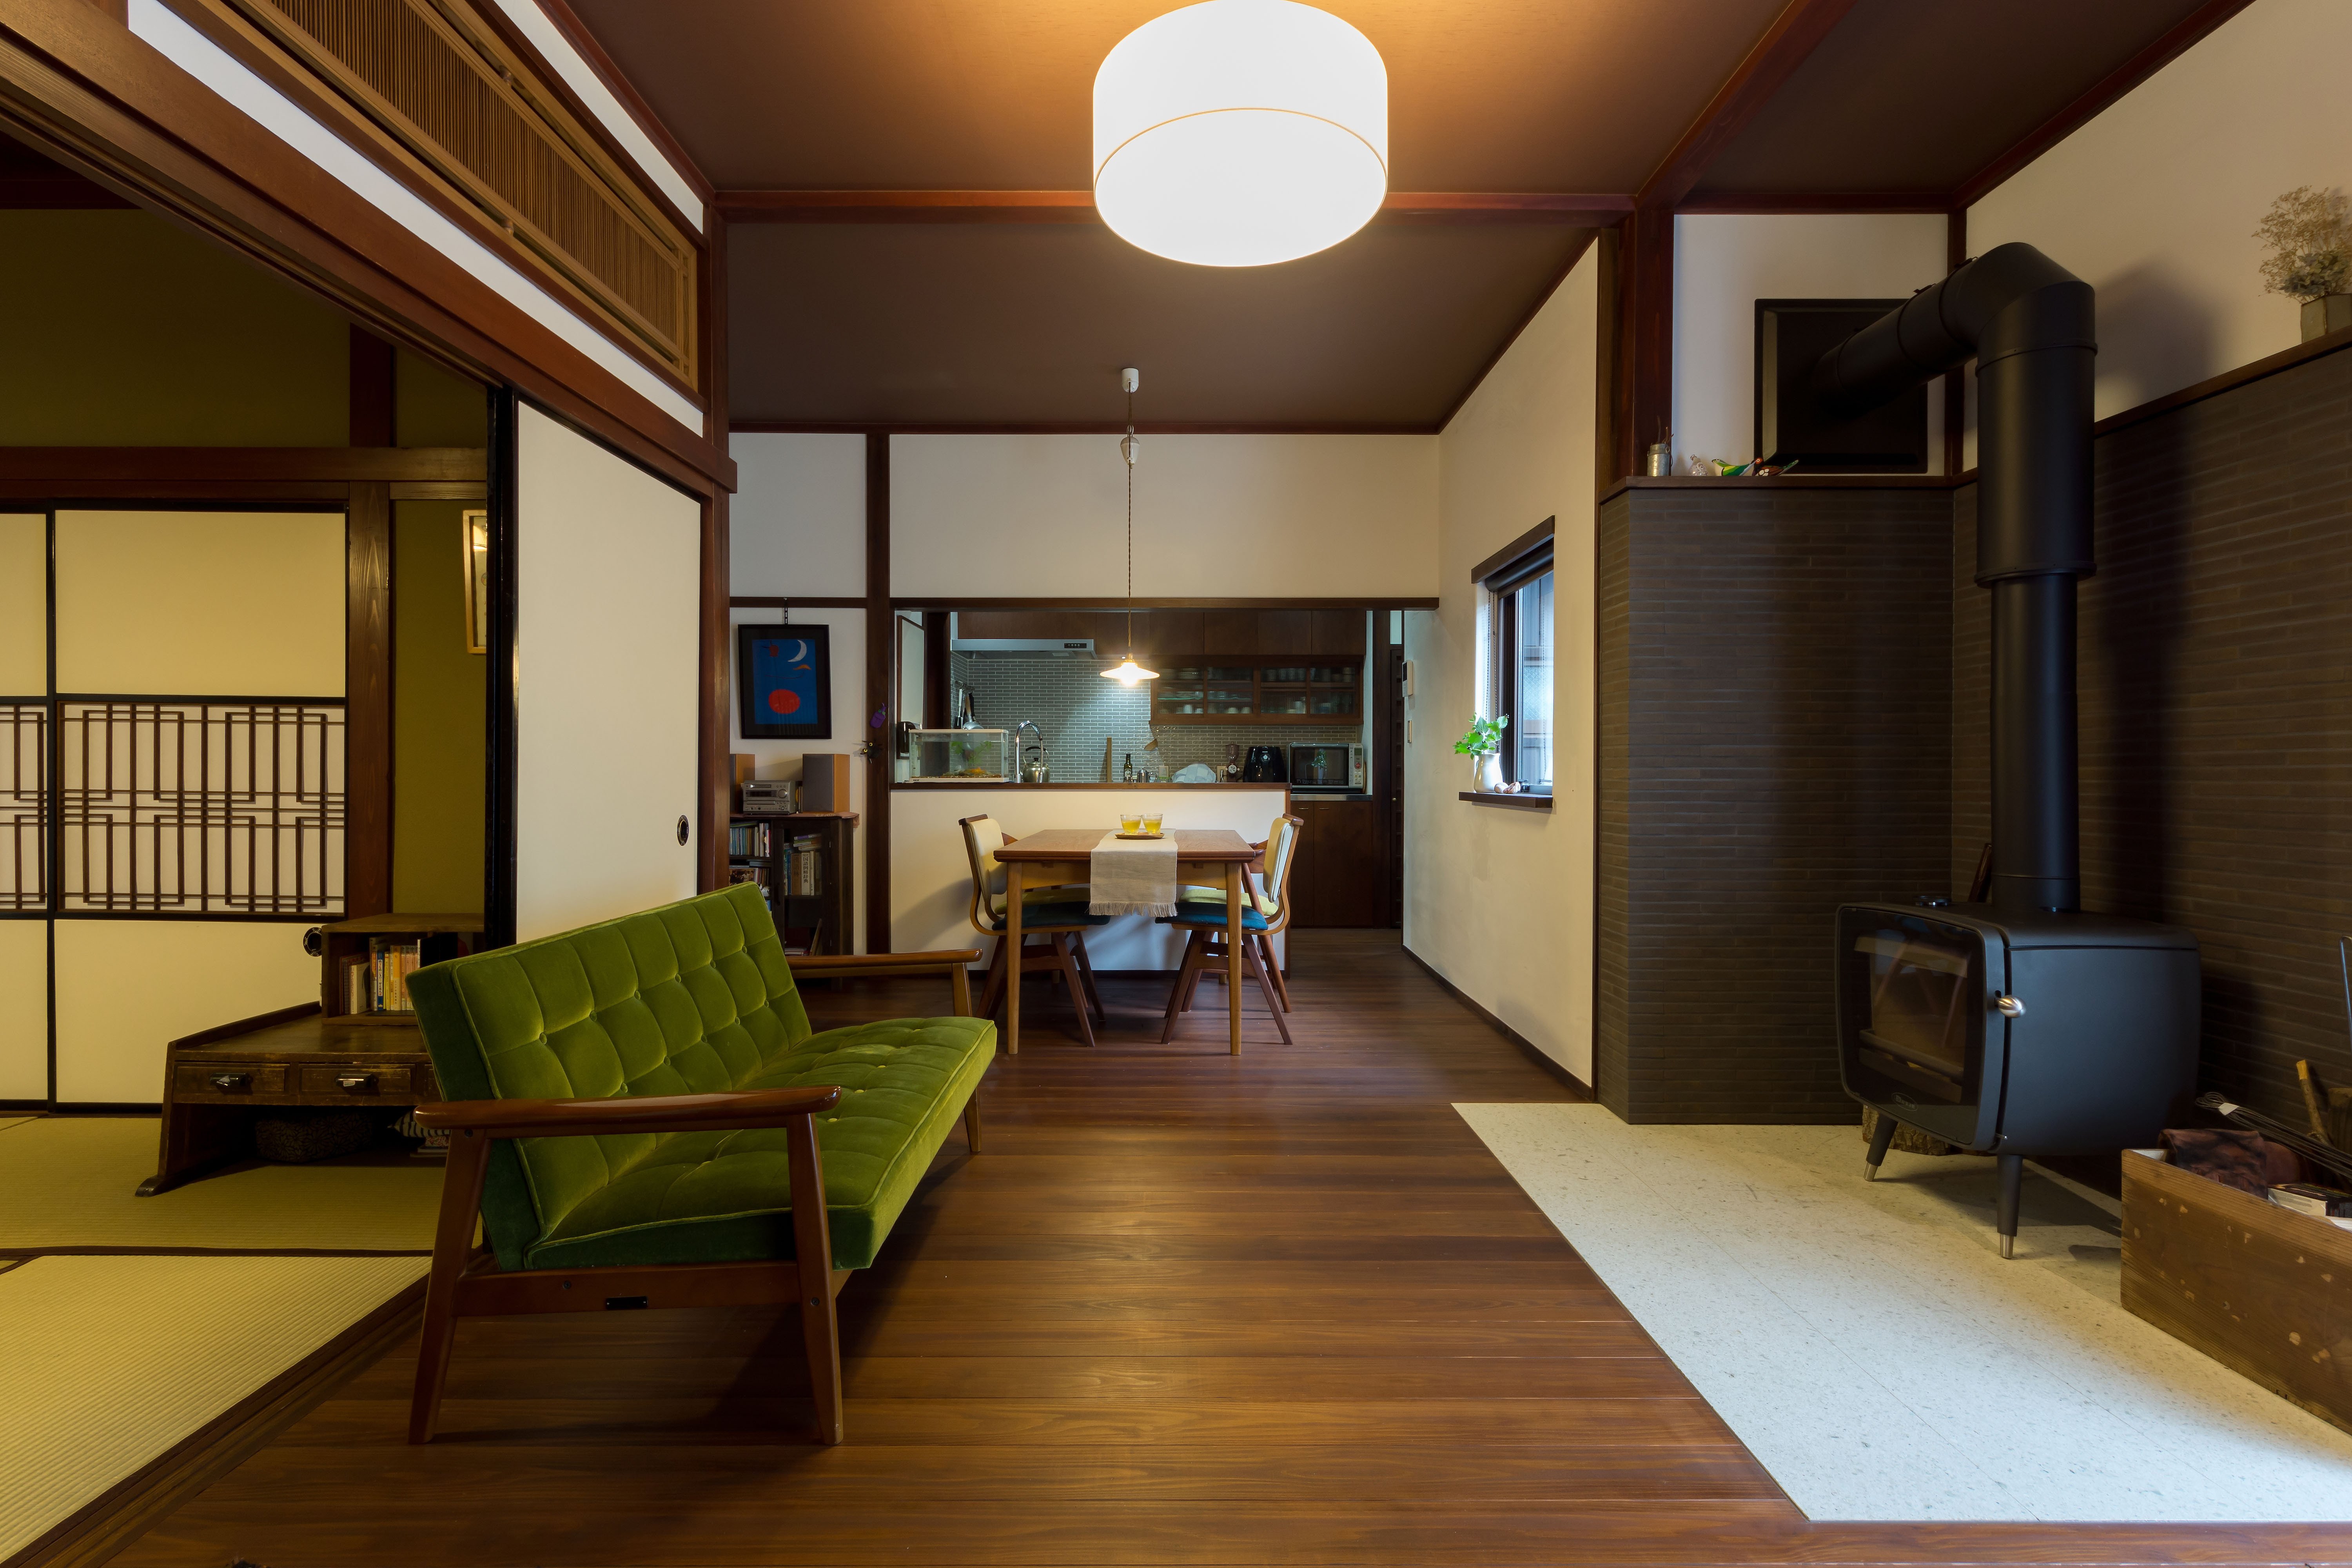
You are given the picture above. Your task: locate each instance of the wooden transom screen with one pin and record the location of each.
(432, 84)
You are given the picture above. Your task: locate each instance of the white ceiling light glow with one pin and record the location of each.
(1240, 132)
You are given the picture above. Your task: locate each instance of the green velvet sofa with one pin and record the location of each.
(634, 1107)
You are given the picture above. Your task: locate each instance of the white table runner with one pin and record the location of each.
(1133, 875)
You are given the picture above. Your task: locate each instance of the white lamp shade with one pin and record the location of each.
(1240, 132)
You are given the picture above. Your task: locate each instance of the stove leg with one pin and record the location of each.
(1881, 1138)
(2013, 1180)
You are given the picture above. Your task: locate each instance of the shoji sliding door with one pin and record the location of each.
(195, 781)
(24, 745)
(607, 616)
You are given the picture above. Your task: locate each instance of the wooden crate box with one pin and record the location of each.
(2265, 1291)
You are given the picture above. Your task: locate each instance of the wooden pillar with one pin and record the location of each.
(715, 774)
(367, 700)
(881, 632)
(1644, 404)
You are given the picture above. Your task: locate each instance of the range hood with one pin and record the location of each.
(1025, 647)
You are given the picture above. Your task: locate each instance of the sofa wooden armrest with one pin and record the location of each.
(726, 1110)
(950, 962)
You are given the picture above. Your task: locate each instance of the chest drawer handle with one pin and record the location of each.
(357, 1082)
(231, 1079)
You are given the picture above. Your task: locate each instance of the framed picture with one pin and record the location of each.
(477, 581)
(783, 682)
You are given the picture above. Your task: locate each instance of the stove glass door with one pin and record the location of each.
(1913, 1004)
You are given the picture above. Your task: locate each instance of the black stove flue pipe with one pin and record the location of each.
(2030, 326)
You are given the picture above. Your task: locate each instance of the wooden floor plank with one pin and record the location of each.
(1189, 1309)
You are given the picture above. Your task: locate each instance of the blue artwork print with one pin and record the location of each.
(785, 679)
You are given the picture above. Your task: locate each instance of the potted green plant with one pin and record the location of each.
(2310, 235)
(1480, 745)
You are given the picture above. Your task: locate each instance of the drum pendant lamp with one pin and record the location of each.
(1241, 133)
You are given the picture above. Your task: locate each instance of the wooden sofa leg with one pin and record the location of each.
(453, 1243)
(812, 1251)
(972, 1122)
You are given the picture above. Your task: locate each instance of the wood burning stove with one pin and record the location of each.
(2021, 1025)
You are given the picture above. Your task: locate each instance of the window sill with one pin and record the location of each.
(1512, 801)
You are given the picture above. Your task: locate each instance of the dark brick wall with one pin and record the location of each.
(1775, 739)
(2216, 689)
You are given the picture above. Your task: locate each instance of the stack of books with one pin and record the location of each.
(381, 985)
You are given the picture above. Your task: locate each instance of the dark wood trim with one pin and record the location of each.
(936, 668)
(1539, 537)
(84, 91)
(367, 701)
(1386, 774)
(1066, 428)
(242, 465)
(161, 495)
(2182, 36)
(1793, 35)
(881, 633)
(1956, 381)
(715, 771)
(1512, 801)
(1078, 206)
(1802, 202)
(1641, 401)
(2229, 380)
(62, 191)
(503, 726)
(934, 787)
(1478, 377)
(1791, 482)
(373, 368)
(102, 1528)
(1500, 1028)
(440, 489)
(761, 602)
(1111, 607)
(1608, 323)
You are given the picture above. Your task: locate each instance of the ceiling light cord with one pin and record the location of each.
(1127, 449)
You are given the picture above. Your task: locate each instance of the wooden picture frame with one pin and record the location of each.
(475, 546)
(783, 682)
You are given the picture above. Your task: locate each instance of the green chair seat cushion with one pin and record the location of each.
(1035, 917)
(723, 1197)
(1214, 915)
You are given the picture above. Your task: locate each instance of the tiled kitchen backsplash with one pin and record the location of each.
(1076, 707)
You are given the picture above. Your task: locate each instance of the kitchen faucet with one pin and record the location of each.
(1021, 773)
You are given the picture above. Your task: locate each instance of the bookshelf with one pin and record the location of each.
(355, 987)
(804, 862)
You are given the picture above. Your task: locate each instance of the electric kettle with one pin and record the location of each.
(1264, 765)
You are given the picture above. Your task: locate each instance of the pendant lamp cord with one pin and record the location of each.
(1127, 448)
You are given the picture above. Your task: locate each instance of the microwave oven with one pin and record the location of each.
(1327, 767)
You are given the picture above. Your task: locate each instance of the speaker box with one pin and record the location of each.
(824, 782)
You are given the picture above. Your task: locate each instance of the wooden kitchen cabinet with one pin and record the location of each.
(1339, 631)
(1171, 634)
(1342, 867)
(1229, 632)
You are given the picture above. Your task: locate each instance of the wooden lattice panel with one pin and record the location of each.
(439, 84)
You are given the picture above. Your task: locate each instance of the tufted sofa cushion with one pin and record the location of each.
(692, 997)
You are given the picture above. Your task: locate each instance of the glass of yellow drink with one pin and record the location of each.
(1150, 822)
(1130, 821)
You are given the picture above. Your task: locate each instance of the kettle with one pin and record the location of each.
(1264, 765)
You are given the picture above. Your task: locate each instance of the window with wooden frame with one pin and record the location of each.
(1519, 659)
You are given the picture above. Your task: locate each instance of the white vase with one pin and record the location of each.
(1487, 772)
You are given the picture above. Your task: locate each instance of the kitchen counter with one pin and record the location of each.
(1002, 783)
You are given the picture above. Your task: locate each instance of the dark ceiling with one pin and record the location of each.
(999, 323)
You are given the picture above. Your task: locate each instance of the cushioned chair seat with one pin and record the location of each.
(724, 1198)
(1034, 916)
(1214, 915)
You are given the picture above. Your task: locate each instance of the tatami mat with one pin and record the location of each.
(69, 1182)
(113, 1361)
(1871, 1348)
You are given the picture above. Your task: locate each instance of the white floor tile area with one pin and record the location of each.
(1871, 1348)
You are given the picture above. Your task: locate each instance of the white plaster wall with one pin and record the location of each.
(1215, 516)
(2155, 201)
(931, 879)
(797, 524)
(607, 626)
(1724, 263)
(114, 1017)
(1498, 902)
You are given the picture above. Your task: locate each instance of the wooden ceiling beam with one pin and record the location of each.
(1786, 44)
(1567, 208)
(2185, 34)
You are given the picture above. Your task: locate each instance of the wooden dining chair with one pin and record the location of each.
(1265, 915)
(1058, 914)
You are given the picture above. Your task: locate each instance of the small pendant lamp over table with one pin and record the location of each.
(1240, 132)
(1127, 672)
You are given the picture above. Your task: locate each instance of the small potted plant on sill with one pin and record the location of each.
(2310, 235)
(1482, 746)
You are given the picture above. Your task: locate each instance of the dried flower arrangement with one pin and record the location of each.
(2310, 235)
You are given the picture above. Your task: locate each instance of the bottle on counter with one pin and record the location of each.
(1127, 773)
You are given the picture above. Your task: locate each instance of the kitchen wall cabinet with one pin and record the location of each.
(1178, 634)
(1342, 866)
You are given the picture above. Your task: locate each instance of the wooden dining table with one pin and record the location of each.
(1063, 857)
